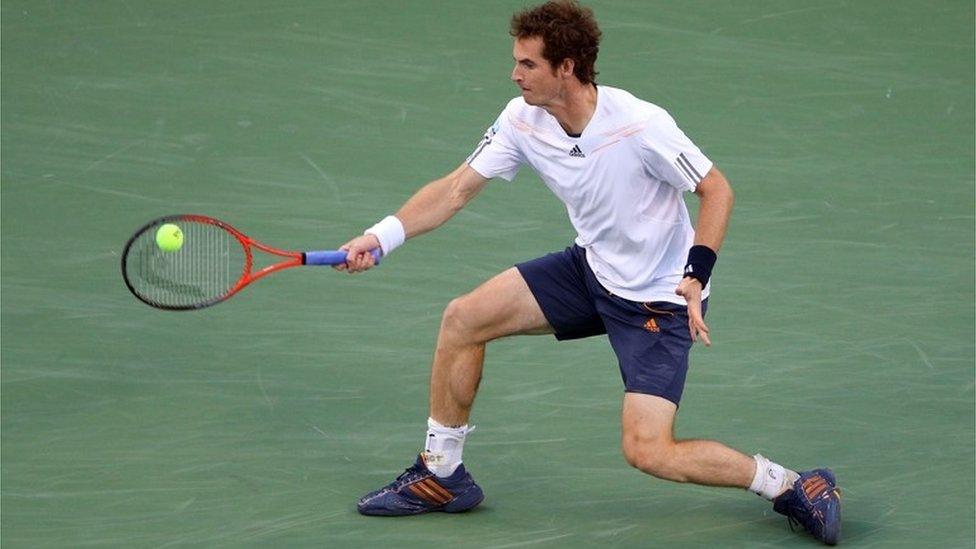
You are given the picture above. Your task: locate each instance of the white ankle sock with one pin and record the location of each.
(443, 447)
(771, 479)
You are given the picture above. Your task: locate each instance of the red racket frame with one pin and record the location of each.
(294, 259)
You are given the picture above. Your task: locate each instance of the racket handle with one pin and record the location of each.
(332, 257)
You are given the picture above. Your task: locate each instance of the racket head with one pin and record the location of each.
(214, 262)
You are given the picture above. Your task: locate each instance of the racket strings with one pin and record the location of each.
(205, 269)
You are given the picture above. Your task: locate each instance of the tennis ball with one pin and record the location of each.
(169, 238)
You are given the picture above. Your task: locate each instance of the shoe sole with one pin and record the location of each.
(461, 504)
(832, 524)
(832, 521)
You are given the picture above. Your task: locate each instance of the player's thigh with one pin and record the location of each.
(646, 420)
(501, 306)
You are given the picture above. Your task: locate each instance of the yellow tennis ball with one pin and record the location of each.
(169, 238)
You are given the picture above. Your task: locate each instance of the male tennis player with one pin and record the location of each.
(636, 272)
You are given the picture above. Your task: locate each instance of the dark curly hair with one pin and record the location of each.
(568, 31)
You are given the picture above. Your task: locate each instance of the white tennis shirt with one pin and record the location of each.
(621, 181)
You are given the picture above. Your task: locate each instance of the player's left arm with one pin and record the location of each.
(716, 199)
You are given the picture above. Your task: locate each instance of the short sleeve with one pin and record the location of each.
(497, 153)
(670, 156)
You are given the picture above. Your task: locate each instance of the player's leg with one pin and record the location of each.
(652, 343)
(649, 445)
(500, 307)
(542, 296)
(438, 481)
(547, 295)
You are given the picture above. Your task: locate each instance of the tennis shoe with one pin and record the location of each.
(417, 490)
(814, 503)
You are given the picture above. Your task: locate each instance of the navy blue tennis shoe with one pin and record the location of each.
(814, 503)
(417, 490)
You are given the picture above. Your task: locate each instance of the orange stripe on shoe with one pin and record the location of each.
(438, 489)
(428, 494)
(416, 491)
(815, 487)
(424, 494)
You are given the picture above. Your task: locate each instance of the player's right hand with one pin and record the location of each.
(358, 250)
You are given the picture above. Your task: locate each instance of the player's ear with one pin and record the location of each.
(566, 67)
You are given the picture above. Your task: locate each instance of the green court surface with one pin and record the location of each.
(842, 315)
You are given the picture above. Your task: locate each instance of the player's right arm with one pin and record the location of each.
(427, 209)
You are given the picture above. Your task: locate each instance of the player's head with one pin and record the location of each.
(555, 43)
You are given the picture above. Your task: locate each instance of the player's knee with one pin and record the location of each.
(458, 318)
(654, 457)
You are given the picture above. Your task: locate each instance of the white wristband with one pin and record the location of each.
(389, 232)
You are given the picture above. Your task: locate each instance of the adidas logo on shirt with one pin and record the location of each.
(577, 152)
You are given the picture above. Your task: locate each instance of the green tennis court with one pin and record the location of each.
(842, 315)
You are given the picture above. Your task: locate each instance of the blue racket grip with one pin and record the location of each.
(333, 257)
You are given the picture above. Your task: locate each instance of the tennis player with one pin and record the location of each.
(637, 272)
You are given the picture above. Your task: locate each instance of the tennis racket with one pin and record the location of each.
(214, 262)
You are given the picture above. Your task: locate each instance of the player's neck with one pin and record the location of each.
(575, 108)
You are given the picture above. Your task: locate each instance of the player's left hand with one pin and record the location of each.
(691, 289)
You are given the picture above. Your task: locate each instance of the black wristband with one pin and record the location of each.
(701, 259)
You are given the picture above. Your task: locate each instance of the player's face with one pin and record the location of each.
(533, 74)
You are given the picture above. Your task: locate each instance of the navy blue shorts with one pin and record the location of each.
(651, 340)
